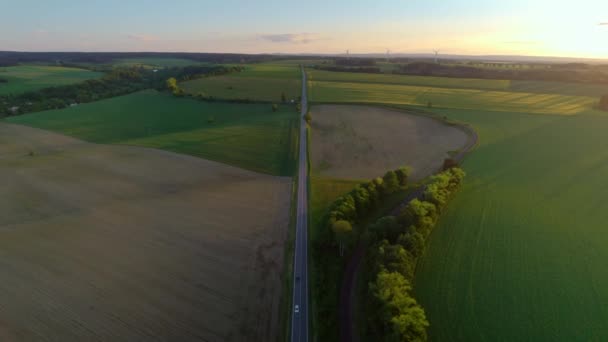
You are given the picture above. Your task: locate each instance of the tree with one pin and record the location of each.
(419, 213)
(391, 182)
(275, 107)
(172, 84)
(394, 258)
(604, 102)
(403, 174)
(403, 319)
(283, 98)
(299, 107)
(308, 117)
(343, 230)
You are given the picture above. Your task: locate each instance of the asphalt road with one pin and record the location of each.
(299, 318)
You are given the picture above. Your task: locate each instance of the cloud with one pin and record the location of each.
(143, 37)
(292, 38)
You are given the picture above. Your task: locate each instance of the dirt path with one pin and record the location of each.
(348, 331)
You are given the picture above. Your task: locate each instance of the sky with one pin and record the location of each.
(473, 27)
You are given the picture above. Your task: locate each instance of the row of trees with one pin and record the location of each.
(119, 81)
(335, 233)
(368, 70)
(395, 244)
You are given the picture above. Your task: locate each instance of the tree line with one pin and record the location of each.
(395, 244)
(336, 235)
(117, 82)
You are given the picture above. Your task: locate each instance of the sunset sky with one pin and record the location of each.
(533, 27)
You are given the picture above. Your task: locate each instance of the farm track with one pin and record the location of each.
(348, 331)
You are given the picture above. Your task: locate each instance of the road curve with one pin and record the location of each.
(299, 317)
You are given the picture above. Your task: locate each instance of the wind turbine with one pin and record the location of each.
(388, 54)
(436, 54)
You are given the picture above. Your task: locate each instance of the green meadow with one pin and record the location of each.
(393, 94)
(249, 136)
(259, 82)
(520, 253)
(26, 78)
(539, 87)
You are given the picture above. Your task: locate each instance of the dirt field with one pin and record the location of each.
(359, 142)
(121, 243)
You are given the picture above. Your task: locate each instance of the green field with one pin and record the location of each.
(26, 78)
(248, 136)
(260, 82)
(520, 254)
(563, 88)
(347, 92)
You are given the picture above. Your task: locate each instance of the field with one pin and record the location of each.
(248, 136)
(520, 253)
(503, 101)
(26, 78)
(360, 142)
(122, 243)
(260, 82)
(534, 87)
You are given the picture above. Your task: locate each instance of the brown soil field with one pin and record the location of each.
(361, 142)
(113, 243)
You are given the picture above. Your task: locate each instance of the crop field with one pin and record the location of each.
(26, 78)
(249, 136)
(101, 242)
(260, 82)
(537, 87)
(360, 142)
(504, 101)
(520, 253)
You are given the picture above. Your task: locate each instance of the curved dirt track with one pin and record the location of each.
(119, 243)
(347, 288)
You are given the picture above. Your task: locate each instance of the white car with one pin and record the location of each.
(296, 309)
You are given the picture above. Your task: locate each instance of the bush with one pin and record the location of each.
(308, 118)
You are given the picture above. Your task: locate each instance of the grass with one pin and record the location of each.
(343, 92)
(259, 82)
(535, 87)
(26, 78)
(248, 136)
(520, 252)
(102, 242)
